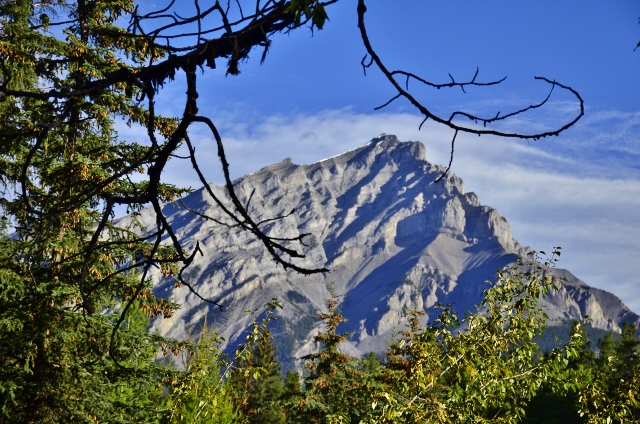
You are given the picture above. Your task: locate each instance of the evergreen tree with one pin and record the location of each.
(370, 366)
(557, 400)
(613, 395)
(70, 276)
(267, 388)
(607, 350)
(291, 397)
(292, 384)
(628, 351)
(257, 378)
(70, 280)
(334, 389)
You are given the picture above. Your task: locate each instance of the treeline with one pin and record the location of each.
(589, 388)
(486, 367)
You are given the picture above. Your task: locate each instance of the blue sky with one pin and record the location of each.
(581, 190)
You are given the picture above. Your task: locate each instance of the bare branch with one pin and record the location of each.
(428, 114)
(453, 141)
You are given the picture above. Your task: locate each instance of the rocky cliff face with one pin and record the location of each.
(385, 230)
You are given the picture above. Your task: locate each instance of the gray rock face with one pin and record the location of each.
(381, 225)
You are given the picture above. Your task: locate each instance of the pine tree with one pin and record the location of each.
(557, 399)
(257, 377)
(334, 389)
(607, 349)
(291, 396)
(628, 350)
(292, 384)
(71, 278)
(268, 387)
(370, 366)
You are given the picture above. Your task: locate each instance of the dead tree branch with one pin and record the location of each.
(451, 122)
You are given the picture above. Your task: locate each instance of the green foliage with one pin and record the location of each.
(628, 350)
(201, 395)
(256, 379)
(483, 369)
(335, 389)
(305, 10)
(268, 387)
(75, 287)
(74, 306)
(557, 399)
(292, 398)
(613, 395)
(55, 365)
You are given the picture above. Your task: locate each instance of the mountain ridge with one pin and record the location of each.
(382, 226)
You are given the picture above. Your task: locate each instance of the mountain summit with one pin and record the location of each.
(383, 228)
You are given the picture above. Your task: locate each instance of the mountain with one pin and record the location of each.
(382, 227)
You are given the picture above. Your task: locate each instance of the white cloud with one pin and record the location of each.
(549, 199)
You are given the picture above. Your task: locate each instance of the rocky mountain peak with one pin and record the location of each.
(382, 226)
